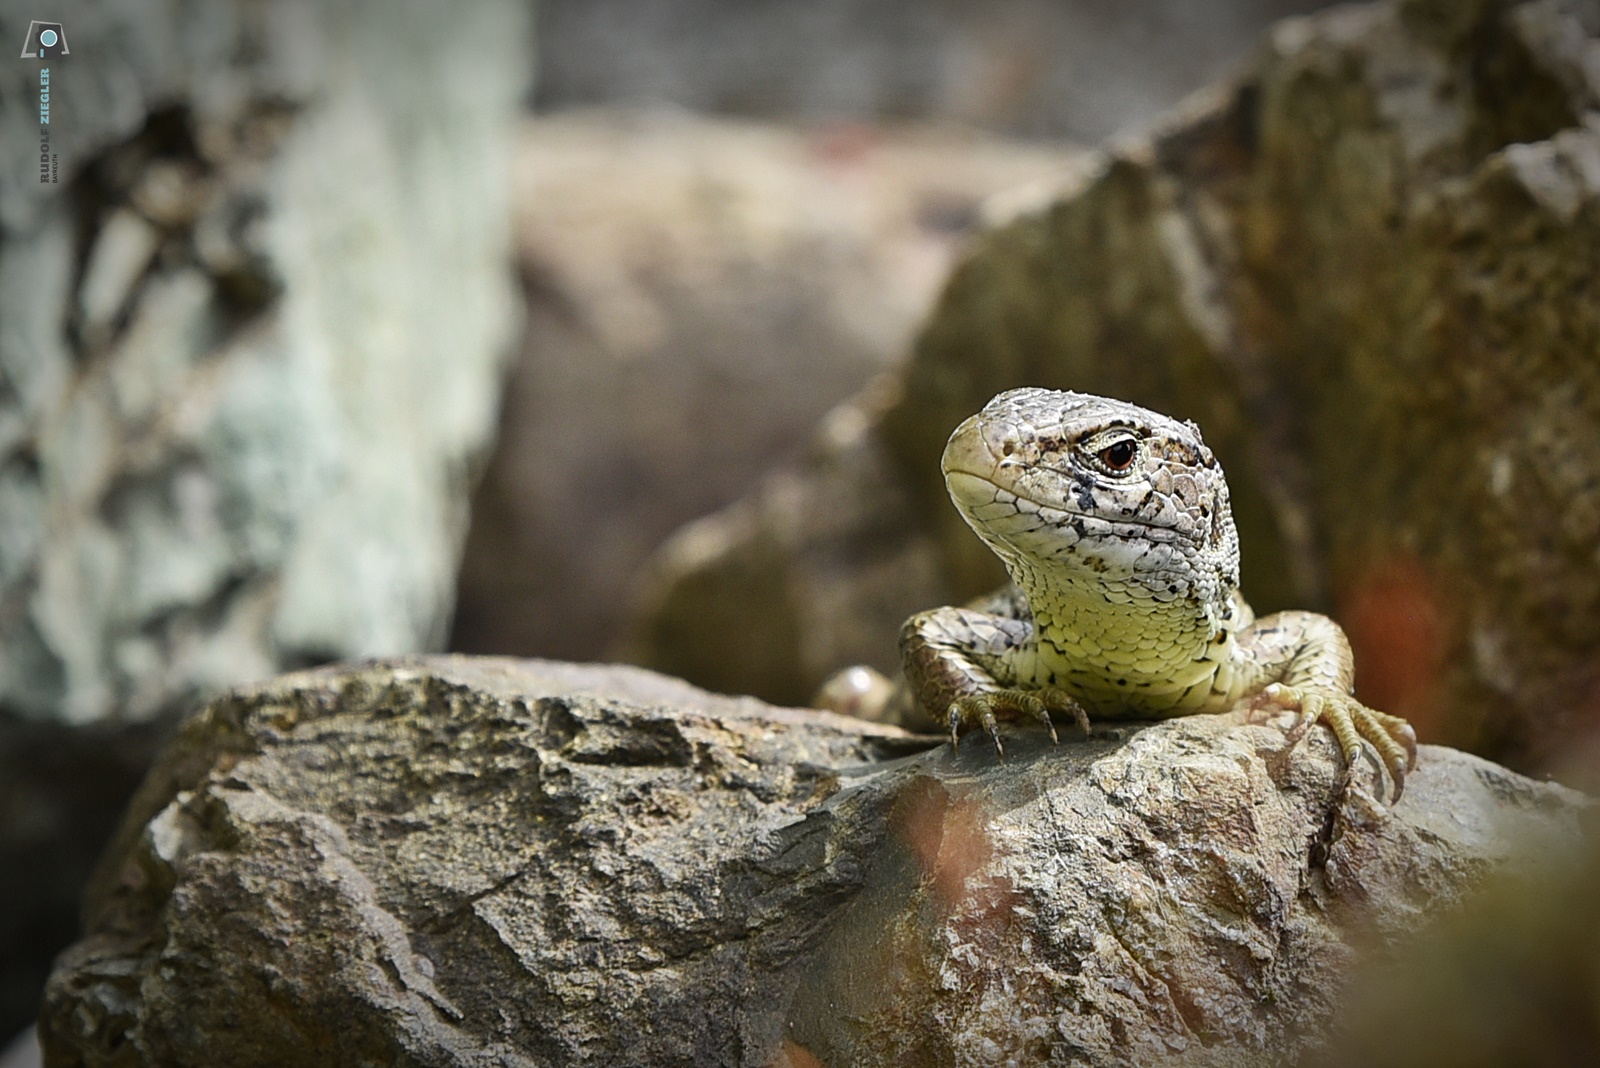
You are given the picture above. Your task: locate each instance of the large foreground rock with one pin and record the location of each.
(488, 862)
(1368, 270)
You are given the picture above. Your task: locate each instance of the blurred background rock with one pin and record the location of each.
(699, 292)
(1050, 69)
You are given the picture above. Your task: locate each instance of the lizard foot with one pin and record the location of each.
(1351, 722)
(978, 709)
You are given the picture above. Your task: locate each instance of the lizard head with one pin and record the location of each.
(1069, 487)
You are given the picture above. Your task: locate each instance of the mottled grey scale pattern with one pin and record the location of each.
(1115, 525)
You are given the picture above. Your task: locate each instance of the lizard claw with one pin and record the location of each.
(1352, 723)
(980, 710)
(975, 707)
(986, 718)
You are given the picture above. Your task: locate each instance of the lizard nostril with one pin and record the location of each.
(1000, 436)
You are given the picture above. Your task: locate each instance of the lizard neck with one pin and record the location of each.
(1119, 645)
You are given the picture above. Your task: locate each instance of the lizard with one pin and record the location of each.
(1115, 526)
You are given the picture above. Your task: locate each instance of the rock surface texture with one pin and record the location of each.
(250, 345)
(455, 861)
(1369, 271)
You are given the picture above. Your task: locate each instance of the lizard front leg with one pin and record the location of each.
(1302, 661)
(956, 662)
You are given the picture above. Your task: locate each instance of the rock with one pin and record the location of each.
(476, 861)
(1371, 281)
(251, 349)
(761, 581)
(1023, 66)
(23, 1052)
(1507, 978)
(62, 790)
(708, 289)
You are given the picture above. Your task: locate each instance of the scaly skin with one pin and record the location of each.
(1114, 524)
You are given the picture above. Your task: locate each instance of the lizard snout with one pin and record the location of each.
(980, 446)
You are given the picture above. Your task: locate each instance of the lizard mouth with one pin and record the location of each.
(989, 502)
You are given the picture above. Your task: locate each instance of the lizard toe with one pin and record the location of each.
(984, 710)
(1394, 741)
(1036, 707)
(1355, 727)
(1062, 701)
(976, 710)
(1390, 738)
(1400, 732)
(990, 724)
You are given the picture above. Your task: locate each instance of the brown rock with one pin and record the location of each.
(796, 579)
(454, 861)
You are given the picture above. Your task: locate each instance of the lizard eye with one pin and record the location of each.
(1118, 456)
